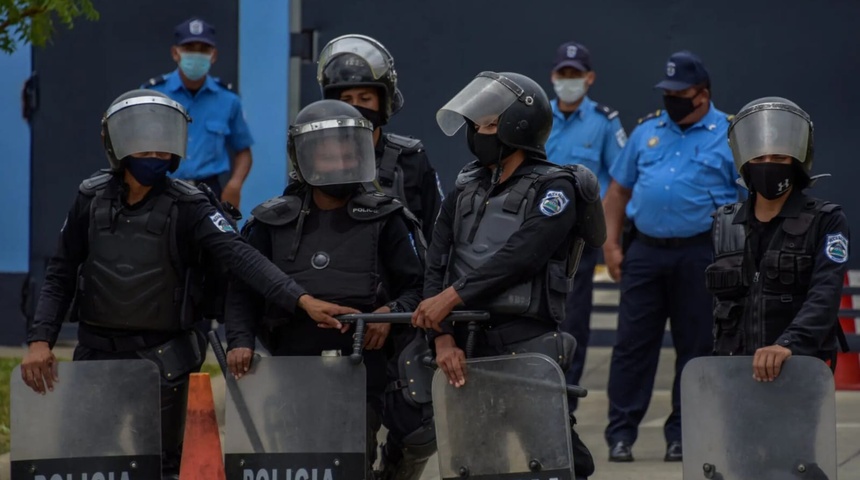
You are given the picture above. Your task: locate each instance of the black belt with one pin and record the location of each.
(130, 343)
(509, 333)
(676, 242)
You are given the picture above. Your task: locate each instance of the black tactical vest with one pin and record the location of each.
(389, 171)
(756, 303)
(483, 225)
(335, 256)
(132, 278)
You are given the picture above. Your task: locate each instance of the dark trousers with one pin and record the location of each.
(174, 398)
(656, 283)
(577, 315)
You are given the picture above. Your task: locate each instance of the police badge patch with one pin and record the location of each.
(553, 203)
(621, 137)
(836, 248)
(219, 221)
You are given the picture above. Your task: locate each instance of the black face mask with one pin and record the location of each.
(771, 180)
(373, 116)
(341, 190)
(678, 107)
(489, 149)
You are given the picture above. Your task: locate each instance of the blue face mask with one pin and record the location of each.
(147, 170)
(195, 65)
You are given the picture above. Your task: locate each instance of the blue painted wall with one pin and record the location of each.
(264, 52)
(15, 180)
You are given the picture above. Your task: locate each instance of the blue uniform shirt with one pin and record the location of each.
(591, 136)
(218, 123)
(678, 177)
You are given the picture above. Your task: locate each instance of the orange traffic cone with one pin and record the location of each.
(847, 376)
(201, 450)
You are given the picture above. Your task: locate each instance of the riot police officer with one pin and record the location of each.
(129, 253)
(341, 243)
(509, 239)
(360, 71)
(781, 255)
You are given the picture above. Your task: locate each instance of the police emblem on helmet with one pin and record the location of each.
(571, 51)
(195, 27)
(670, 69)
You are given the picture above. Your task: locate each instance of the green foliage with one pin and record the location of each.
(33, 20)
(6, 366)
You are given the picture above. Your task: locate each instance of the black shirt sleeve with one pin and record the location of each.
(62, 274)
(528, 250)
(402, 267)
(422, 189)
(814, 323)
(244, 306)
(440, 247)
(209, 230)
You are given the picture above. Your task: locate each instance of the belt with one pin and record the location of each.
(516, 331)
(130, 343)
(675, 242)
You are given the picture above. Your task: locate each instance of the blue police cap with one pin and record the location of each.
(572, 54)
(194, 30)
(684, 70)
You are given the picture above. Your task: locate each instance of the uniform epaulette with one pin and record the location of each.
(606, 110)
(406, 144)
(91, 185)
(154, 81)
(730, 118)
(225, 86)
(649, 116)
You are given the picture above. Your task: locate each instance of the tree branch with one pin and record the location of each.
(27, 12)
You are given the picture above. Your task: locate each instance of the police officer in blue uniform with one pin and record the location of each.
(587, 133)
(779, 244)
(219, 125)
(674, 172)
(360, 71)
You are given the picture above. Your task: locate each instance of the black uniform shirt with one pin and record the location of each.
(814, 323)
(421, 185)
(197, 229)
(523, 256)
(400, 270)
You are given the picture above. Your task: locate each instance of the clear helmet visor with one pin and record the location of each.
(147, 124)
(770, 129)
(333, 152)
(482, 101)
(372, 53)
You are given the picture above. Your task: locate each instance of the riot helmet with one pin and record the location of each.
(352, 61)
(521, 106)
(772, 126)
(331, 144)
(144, 121)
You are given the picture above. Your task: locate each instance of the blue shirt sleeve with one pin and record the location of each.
(624, 169)
(614, 140)
(240, 135)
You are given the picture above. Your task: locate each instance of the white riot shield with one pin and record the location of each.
(735, 428)
(297, 418)
(509, 421)
(102, 421)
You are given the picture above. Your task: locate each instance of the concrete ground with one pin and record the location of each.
(650, 447)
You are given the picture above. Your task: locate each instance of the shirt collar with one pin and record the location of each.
(791, 209)
(174, 83)
(586, 104)
(709, 122)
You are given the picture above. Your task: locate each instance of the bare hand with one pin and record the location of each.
(376, 333)
(452, 360)
(767, 362)
(39, 368)
(613, 256)
(433, 310)
(232, 193)
(239, 361)
(324, 312)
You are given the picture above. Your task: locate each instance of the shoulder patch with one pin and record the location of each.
(221, 223)
(730, 118)
(90, 186)
(372, 206)
(553, 203)
(278, 211)
(606, 110)
(650, 116)
(836, 247)
(222, 84)
(154, 81)
(406, 144)
(471, 172)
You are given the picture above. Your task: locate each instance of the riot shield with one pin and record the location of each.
(297, 418)
(735, 428)
(103, 420)
(509, 421)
